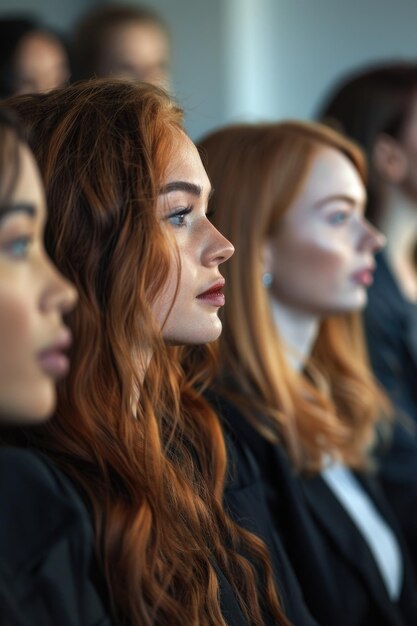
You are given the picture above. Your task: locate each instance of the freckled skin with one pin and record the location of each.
(33, 297)
(317, 248)
(201, 249)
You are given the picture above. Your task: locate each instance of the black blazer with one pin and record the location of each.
(338, 577)
(45, 547)
(246, 503)
(391, 332)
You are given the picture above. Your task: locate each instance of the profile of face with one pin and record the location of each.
(33, 297)
(40, 64)
(137, 51)
(321, 255)
(189, 314)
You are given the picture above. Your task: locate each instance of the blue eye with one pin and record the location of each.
(18, 248)
(339, 217)
(178, 218)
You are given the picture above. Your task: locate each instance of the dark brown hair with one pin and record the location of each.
(366, 104)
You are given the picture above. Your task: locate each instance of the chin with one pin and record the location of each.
(42, 409)
(344, 308)
(202, 335)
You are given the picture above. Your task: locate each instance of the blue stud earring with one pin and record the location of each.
(267, 279)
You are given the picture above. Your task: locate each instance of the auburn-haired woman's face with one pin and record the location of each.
(322, 254)
(182, 208)
(33, 297)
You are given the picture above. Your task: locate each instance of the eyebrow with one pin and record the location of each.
(340, 197)
(182, 185)
(8, 209)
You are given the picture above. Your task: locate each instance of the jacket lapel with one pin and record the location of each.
(346, 538)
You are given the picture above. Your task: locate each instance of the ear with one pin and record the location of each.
(389, 159)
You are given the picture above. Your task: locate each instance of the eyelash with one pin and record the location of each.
(181, 214)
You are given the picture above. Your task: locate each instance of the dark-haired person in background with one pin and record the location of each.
(32, 58)
(377, 107)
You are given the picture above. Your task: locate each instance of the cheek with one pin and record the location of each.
(326, 259)
(16, 332)
(312, 261)
(26, 393)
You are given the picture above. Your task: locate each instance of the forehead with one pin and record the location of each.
(185, 163)
(332, 173)
(28, 188)
(140, 37)
(37, 46)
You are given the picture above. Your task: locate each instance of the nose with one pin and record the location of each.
(59, 294)
(371, 238)
(218, 249)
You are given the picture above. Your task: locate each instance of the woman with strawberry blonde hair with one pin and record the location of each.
(293, 381)
(128, 224)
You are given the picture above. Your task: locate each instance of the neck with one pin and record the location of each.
(297, 329)
(398, 222)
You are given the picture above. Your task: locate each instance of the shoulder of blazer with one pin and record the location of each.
(46, 543)
(41, 507)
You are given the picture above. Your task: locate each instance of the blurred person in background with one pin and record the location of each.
(45, 540)
(377, 107)
(32, 58)
(123, 41)
(293, 382)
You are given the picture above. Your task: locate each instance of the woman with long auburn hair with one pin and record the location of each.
(128, 224)
(292, 378)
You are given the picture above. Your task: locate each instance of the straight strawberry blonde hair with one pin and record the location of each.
(334, 405)
(147, 453)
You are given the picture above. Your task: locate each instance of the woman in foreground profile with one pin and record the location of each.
(128, 225)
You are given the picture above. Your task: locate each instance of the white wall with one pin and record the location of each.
(304, 45)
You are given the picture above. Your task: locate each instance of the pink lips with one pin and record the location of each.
(364, 277)
(53, 360)
(213, 296)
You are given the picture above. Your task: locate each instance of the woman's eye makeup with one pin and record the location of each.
(178, 217)
(17, 230)
(18, 247)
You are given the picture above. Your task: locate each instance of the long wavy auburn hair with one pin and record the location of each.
(333, 406)
(146, 451)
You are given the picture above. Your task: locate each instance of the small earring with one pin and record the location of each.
(267, 279)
